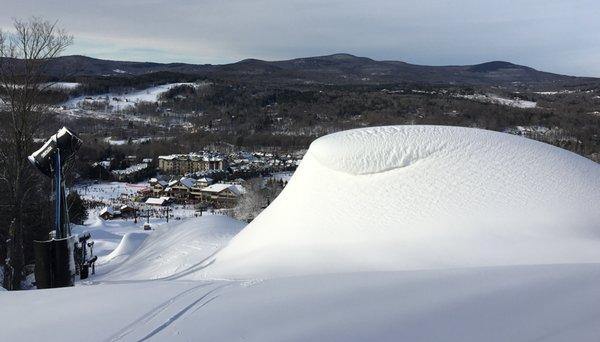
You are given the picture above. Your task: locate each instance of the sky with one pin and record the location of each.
(550, 35)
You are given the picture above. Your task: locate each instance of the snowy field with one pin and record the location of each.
(108, 192)
(403, 233)
(61, 85)
(118, 102)
(491, 98)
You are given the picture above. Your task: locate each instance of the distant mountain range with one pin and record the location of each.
(332, 69)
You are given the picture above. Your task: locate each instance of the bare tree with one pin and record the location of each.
(259, 194)
(252, 201)
(25, 55)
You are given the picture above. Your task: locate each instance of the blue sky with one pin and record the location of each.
(556, 36)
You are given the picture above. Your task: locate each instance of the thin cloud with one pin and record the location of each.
(557, 36)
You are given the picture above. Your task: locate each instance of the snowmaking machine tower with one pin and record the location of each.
(54, 258)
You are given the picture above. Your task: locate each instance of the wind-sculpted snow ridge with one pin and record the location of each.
(361, 152)
(422, 197)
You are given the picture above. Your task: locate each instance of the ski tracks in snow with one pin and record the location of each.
(168, 312)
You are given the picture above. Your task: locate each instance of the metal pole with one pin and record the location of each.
(57, 194)
(65, 210)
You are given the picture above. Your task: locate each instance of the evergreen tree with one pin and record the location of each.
(77, 211)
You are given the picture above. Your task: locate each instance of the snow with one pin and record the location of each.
(117, 102)
(529, 303)
(157, 200)
(130, 242)
(422, 197)
(108, 192)
(400, 233)
(491, 98)
(175, 250)
(121, 142)
(126, 251)
(219, 187)
(109, 210)
(284, 176)
(109, 234)
(554, 92)
(61, 85)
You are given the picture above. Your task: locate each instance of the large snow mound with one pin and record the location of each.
(422, 197)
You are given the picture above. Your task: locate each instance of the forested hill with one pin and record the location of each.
(333, 69)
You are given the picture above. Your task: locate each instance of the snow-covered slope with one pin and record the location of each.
(422, 197)
(491, 98)
(516, 303)
(391, 199)
(116, 101)
(172, 250)
(129, 244)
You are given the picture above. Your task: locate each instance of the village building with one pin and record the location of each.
(180, 189)
(221, 194)
(204, 182)
(127, 211)
(131, 159)
(181, 164)
(158, 202)
(196, 190)
(109, 213)
(158, 186)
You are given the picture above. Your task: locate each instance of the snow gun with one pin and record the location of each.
(55, 260)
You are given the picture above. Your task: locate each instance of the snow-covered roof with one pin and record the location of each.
(169, 157)
(219, 187)
(216, 188)
(157, 201)
(105, 164)
(238, 189)
(110, 211)
(194, 156)
(132, 169)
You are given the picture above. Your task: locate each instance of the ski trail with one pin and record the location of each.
(182, 312)
(144, 319)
